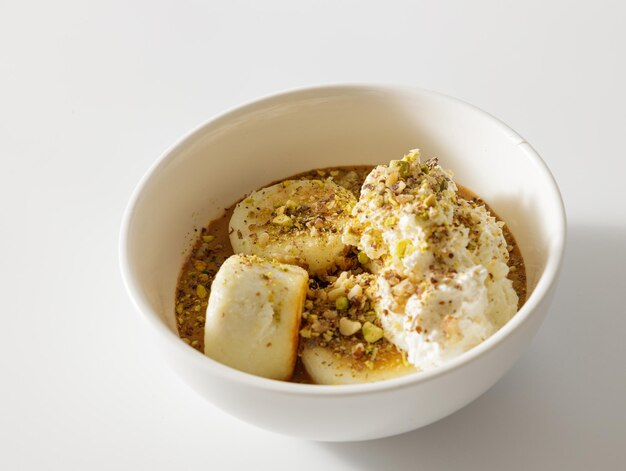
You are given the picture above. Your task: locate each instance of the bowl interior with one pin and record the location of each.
(290, 133)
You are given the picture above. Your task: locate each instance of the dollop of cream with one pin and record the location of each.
(441, 261)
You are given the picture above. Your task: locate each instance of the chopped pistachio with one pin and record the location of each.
(342, 303)
(179, 308)
(392, 179)
(430, 200)
(194, 343)
(390, 221)
(283, 220)
(401, 165)
(425, 169)
(201, 291)
(208, 238)
(263, 239)
(335, 293)
(181, 321)
(371, 332)
(412, 155)
(355, 292)
(363, 258)
(369, 364)
(403, 248)
(443, 185)
(348, 327)
(305, 333)
(199, 265)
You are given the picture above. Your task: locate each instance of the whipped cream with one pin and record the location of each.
(441, 262)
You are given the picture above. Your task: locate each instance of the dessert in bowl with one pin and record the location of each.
(247, 149)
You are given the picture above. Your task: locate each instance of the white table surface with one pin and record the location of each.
(91, 93)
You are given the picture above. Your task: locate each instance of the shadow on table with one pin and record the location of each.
(563, 406)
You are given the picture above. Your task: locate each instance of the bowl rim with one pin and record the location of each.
(544, 285)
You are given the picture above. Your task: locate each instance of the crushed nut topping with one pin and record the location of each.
(339, 307)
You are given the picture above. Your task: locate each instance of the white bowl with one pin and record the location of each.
(276, 137)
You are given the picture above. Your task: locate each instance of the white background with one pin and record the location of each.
(91, 93)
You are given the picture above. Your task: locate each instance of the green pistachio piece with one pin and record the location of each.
(283, 220)
(342, 303)
(371, 332)
(363, 258)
